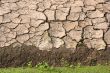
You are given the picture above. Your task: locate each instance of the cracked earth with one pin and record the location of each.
(49, 24)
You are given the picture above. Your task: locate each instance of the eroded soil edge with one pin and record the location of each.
(19, 56)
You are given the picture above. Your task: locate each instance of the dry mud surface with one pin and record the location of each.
(55, 23)
(51, 30)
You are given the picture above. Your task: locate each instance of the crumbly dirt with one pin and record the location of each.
(20, 56)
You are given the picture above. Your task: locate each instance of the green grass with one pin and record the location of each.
(41, 69)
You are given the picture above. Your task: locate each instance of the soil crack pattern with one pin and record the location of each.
(53, 24)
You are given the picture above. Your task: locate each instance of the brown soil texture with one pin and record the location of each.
(20, 56)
